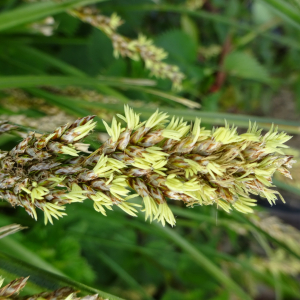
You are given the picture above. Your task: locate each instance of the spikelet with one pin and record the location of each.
(10, 229)
(140, 48)
(6, 127)
(160, 160)
(12, 288)
(11, 291)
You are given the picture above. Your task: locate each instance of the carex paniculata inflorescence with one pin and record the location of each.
(160, 160)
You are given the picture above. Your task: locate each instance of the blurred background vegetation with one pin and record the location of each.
(240, 61)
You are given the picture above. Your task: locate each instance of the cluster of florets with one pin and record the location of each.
(12, 290)
(159, 159)
(140, 48)
(5, 127)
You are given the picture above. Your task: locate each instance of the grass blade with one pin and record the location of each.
(45, 279)
(34, 81)
(72, 71)
(234, 216)
(287, 187)
(181, 100)
(122, 274)
(239, 217)
(203, 261)
(285, 10)
(35, 11)
(127, 83)
(12, 247)
(270, 254)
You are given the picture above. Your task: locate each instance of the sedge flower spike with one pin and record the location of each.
(160, 159)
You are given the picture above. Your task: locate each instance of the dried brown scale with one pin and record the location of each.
(11, 197)
(151, 139)
(87, 176)
(6, 127)
(99, 184)
(19, 185)
(139, 134)
(76, 161)
(157, 195)
(136, 172)
(226, 194)
(108, 147)
(13, 287)
(223, 182)
(139, 186)
(121, 156)
(124, 139)
(155, 179)
(168, 144)
(176, 196)
(3, 154)
(69, 135)
(92, 159)
(175, 162)
(285, 172)
(43, 166)
(80, 122)
(59, 294)
(68, 170)
(184, 146)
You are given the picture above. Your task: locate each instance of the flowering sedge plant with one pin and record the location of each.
(140, 48)
(160, 160)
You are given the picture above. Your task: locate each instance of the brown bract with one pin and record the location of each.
(12, 290)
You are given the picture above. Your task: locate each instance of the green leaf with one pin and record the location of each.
(115, 267)
(261, 12)
(212, 16)
(50, 60)
(71, 70)
(100, 52)
(190, 28)
(12, 247)
(203, 261)
(286, 11)
(32, 12)
(172, 42)
(101, 83)
(244, 65)
(34, 81)
(67, 24)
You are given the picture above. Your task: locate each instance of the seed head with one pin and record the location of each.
(160, 160)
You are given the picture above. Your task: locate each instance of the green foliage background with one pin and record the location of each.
(210, 254)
